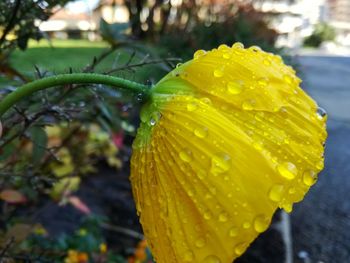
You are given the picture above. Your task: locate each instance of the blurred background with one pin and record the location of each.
(67, 198)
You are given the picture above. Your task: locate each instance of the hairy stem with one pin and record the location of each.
(63, 79)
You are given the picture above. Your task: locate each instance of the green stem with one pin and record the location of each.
(63, 79)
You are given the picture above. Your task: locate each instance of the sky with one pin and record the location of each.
(82, 5)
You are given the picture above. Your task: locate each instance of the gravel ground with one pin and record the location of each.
(321, 223)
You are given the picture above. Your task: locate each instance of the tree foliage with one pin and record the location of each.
(19, 20)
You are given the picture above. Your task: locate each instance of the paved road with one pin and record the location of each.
(321, 223)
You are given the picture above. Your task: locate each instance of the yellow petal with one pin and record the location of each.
(208, 168)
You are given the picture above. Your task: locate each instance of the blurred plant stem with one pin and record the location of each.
(74, 78)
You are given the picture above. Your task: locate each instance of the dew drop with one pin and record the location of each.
(201, 132)
(247, 105)
(188, 256)
(320, 165)
(226, 55)
(276, 192)
(240, 248)
(218, 73)
(261, 223)
(234, 87)
(246, 225)
(211, 259)
(288, 207)
(309, 177)
(223, 217)
(220, 163)
(262, 82)
(152, 122)
(178, 65)
(233, 232)
(206, 101)
(321, 113)
(267, 62)
(200, 242)
(185, 155)
(201, 174)
(223, 47)
(192, 106)
(255, 48)
(207, 215)
(292, 190)
(287, 170)
(286, 140)
(199, 53)
(238, 45)
(288, 79)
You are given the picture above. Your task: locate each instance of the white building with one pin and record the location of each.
(293, 19)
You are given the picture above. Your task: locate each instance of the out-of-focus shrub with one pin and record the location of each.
(232, 23)
(19, 22)
(322, 32)
(181, 27)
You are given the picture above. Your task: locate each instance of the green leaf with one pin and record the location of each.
(8, 150)
(114, 33)
(39, 139)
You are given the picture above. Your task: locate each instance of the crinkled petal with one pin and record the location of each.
(208, 168)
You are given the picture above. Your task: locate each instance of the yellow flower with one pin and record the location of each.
(103, 248)
(74, 256)
(225, 140)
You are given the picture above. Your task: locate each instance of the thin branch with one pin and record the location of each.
(143, 63)
(97, 60)
(123, 230)
(7, 247)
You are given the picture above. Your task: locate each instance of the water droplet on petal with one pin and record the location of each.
(199, 53)
(288, 79)
(220, 163)
(238, 45)
(246, 225)
(254, 48)
(207, 215)
(201, 132)
(200, 242)
(287, 170)
(223, 217)
(240, 248)
(201, 174)
(152, 122)
(192, 106)
(206, 101)
(309, 177)
(248, 105)
(267, 62)
(226, 55)
(211, 259)
(320, 165)
(263, 82)
(261, 223)
(223, 47)
(234, 87)
(218, 73)
(188, 256)
(321, 113)
(185, 155)
(276, 192)
(288, 207)
(178, 65)
(233, 232)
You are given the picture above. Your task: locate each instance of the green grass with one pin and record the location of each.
(61, 55)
